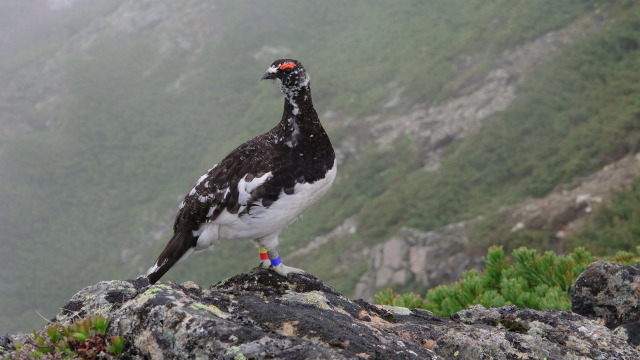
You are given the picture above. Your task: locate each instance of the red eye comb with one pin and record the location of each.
(287, 65)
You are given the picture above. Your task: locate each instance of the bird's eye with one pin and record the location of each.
(287, 70)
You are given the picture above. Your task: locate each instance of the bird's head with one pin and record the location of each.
(289, 75)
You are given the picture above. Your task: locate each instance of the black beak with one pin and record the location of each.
(268, 76)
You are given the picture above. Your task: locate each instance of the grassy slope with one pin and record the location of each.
(128, 146)
(580, 114)
(614, 226)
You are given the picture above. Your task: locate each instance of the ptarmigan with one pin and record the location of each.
(261, 186)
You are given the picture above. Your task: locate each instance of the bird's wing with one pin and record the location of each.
(237, 182)
(177, 248)
(232, 185)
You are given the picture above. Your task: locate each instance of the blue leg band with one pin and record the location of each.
(276, 261)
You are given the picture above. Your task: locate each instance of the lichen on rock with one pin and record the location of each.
(261, 314)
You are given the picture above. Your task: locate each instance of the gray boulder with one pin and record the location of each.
(609, 293)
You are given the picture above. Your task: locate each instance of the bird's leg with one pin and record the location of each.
(264, 258)
(279, 267)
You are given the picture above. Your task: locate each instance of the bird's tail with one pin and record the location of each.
(178, 248)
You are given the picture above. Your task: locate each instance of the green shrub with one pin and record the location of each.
(526, 279)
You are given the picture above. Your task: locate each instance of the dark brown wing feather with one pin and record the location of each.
(179, 244)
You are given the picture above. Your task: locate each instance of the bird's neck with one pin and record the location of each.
(299, 119)
(298, 102)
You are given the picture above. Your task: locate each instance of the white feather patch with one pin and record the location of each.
(245, 188)
(155, 267)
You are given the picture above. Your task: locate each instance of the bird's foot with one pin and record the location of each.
(265, 264)
(286, 270)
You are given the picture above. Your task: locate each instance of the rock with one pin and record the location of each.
(422, 259)
(629, 332)
(532, 334)
(5, 343)
(261, 314)
(608, 292)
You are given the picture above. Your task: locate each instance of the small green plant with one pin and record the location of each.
(83, 339)
(526, 279)
(117, 344)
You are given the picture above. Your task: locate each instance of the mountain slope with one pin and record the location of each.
(578, 113)
(155, 92)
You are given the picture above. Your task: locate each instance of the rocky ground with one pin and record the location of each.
(261, 314)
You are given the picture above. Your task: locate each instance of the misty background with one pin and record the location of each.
(458, 125)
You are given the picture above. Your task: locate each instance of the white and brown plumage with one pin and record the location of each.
(261, 186)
